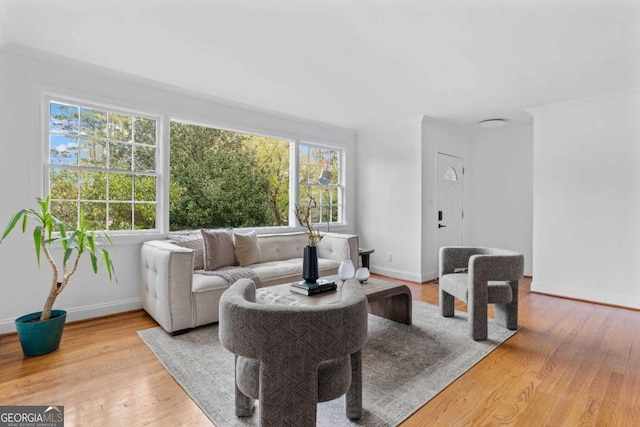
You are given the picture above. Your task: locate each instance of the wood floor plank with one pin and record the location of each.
(571, 363)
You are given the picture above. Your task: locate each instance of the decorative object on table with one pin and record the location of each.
(346, 270)
(362, 274)
(310, 264)
(41, 332)
(321, 285)
(310, 257)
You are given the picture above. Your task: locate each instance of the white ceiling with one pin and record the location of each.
(352, 63)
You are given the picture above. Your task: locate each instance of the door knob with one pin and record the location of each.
(441, 226)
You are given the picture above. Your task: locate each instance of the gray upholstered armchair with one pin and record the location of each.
(481, 276)
(290, 357)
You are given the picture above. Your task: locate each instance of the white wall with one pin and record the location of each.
(500, 178)
(397, 194)
(389, 197)
(3, 24)
(438, 137)
(586, 217)
(24, 75)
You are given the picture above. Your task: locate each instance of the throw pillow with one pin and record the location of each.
(247, 249)
(191, 241)
(218, 249)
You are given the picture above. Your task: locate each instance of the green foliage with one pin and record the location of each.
(273, 159)
(224, 179)
(50, 229)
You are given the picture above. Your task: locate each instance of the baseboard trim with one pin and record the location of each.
(87, 312)
(397, 274)
(585, 295)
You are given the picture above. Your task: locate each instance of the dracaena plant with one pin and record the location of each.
(74, 240)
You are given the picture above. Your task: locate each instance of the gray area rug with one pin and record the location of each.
(403, 366)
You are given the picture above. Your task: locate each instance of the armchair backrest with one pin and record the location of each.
(281, 333)
(499, 264)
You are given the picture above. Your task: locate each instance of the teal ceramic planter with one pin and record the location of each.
(37, 338)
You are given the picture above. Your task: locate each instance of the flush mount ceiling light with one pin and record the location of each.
(493, 123)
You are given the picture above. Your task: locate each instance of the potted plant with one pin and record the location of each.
(40, 332)
(310, 272)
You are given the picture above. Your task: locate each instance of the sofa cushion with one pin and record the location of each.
(190, 240)
(247, 250)
(204, 283)
(218, 249)
(276, 247)
(291, 268)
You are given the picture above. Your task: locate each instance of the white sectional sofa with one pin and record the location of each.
(180, 294)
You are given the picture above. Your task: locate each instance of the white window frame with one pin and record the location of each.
(339, 204)
(160, 163)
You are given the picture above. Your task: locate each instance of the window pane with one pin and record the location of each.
(95, 214)
(120, 187)
(93, 123)
(92, 153)
(314, 174)
(304, 174)
(315, 156)
(145, 215)
(120, 156)
(304, 191)
(320, 194)
(119, 127)
(227, 179)
(63, 118)
(67, 211)
(304, 153)
(145, 188)
(63, 184)
(63, 150)
(145, 158)
(145, 131)
(326, 209)
(120, 216)
(93, 185)
(334, 194)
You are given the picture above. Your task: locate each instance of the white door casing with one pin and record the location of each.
(450, 213)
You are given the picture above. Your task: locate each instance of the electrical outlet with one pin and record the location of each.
(389, 256)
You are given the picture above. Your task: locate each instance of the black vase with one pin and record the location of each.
(310, 264)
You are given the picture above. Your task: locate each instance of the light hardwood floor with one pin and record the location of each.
(572, 363)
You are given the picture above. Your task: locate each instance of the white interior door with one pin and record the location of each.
(450, 215)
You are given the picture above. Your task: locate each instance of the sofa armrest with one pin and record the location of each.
(167, 275)
(339, 247)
